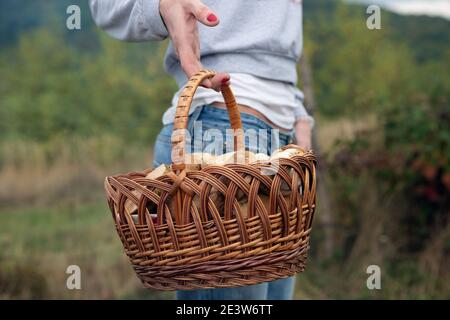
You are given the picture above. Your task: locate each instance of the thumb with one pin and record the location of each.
(204, 14)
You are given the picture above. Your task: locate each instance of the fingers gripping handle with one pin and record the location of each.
(182, 118)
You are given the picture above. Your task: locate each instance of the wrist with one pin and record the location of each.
(163, 6)
(303, 133)
(303, 123)
(305, 119)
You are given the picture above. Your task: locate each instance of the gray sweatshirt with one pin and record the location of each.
(258, 37)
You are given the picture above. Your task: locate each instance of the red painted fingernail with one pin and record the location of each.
(211, 17)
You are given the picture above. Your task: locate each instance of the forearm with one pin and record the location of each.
(129, 20)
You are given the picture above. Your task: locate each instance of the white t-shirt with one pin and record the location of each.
(280, 102)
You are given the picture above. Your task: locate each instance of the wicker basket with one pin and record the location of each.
(196, 243)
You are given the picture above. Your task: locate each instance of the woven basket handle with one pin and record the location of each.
(182, 117)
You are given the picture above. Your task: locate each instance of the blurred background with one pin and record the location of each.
(76, 106)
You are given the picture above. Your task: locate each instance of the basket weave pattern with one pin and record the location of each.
(203, 236)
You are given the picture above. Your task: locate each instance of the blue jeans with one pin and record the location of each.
(205, 122)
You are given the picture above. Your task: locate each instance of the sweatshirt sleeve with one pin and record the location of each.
(129, 20)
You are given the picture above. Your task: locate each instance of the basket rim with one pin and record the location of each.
(309, 156)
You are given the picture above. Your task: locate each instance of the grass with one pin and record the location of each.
(40, 243)
(332, 131)
(53, 214)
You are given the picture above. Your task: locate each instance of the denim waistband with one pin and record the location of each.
(206, 111)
